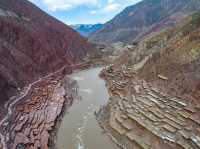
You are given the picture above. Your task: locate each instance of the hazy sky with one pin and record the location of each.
(83, 11)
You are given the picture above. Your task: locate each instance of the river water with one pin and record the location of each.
(79, 128)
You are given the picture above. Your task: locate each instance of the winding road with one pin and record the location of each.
(10, 106)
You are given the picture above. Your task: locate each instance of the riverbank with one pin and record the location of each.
(104, 115)
(34, 117)
(71, 95)
(36, 111)
(140, 115)
(71, 89)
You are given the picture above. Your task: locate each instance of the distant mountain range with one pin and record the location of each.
(143, 18)
(87, 29)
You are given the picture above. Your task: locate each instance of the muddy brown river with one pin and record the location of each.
(79, 128)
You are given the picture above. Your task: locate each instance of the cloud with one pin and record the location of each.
(60, 7)
(110, 1)
(83, 11)
(56, 5)
(111, 8)
(93, 12)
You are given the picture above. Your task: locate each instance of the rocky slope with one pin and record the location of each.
(171, 55)
(154, 91)
(178, 61)
(143, 18)
(86, 30)
(32, 43)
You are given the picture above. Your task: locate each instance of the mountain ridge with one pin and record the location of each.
(144, 18)
(32, 44)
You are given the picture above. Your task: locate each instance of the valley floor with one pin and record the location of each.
(138, 114)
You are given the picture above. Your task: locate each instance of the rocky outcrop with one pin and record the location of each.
(32, 44)
(145, 17)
